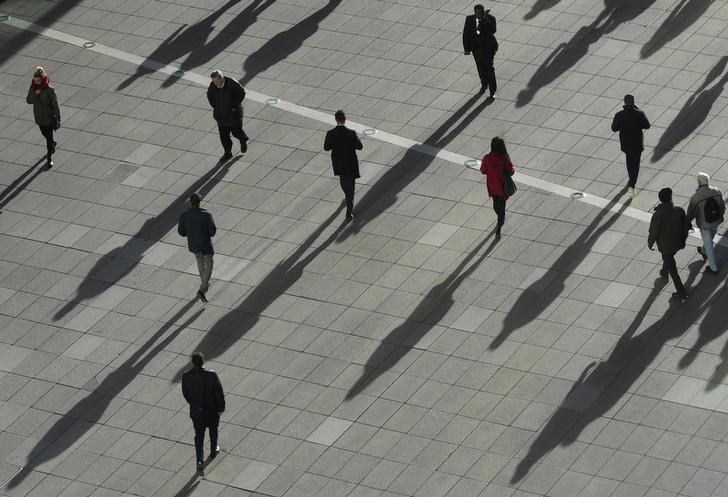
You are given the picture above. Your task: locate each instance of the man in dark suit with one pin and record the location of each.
(479, 38)
(343, 144)
(226, 97)
(630, 121)
(203, 392)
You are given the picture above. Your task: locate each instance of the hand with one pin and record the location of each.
(37, 91)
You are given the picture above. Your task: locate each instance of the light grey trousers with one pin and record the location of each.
(204, 266)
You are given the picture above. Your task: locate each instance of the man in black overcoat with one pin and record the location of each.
(226, 98)
(343, 144)
(630, 121)
(479, 38)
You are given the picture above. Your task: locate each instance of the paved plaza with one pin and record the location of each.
(407, 353)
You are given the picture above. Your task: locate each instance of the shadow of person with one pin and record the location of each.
(568, 54)
(383, 193)
(539, 7)
(603, 383)
(18, 184)
(694, 112)
(430, 311)
(284, 44)
(680, 19)
(192, 41)
(80, 418)
(116, 264)
(237, 322)
(542, 293)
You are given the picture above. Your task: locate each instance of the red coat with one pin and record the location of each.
(492, 166)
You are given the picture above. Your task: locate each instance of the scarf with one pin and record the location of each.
(44, 84)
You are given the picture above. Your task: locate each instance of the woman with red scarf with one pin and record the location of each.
(495, 165)
(45, 109)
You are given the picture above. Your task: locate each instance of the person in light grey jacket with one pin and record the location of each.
(198, 227)
(707, 208)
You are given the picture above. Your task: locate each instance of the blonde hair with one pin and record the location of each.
(39, 73)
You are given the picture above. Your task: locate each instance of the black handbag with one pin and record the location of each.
(509, 186)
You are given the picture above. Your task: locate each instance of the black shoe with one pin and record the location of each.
(492, 96)
(214, 453)
(243, 146)
(708, 270)
(680, 296)
(663, 274)
(702, 253)
(201, 469)
(49, 163)
(201, 296)
(482, 89)
(226, 156)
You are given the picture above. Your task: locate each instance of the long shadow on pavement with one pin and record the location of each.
(603, 383)
(542, 293)
(285, 43)
(568, 54)
(20, 183)
(433, 307)
(122, 260)
(383, 193)
(694, 112)
(684, 15)
(89, 410)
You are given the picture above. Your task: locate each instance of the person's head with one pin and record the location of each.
(198, 359)
(498, 146)
(217, 77)
(340, 117)
(479, 11)
(665, 195)
(195, 200)
(39, 75)
(703, 179)
(629, 100)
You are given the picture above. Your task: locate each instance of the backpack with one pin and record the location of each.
(712, 211)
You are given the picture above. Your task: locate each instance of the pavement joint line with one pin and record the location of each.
(324, 117)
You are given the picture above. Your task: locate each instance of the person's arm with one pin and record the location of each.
(209, 96)
(645, 122)
(357, 142)
(691, 210)
(181, 227)
(185, 390)
(616, 123)
(482, 167)
(686, 227)
(54, 104)
(511, 168)
(466, 38)
(32, 95)
(239, 94)
(654, 230)
(211, 228)
(491, 22)
(327, 141)
(219, 395)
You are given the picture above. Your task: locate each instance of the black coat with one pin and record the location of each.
(630, 122)
(669, 228)
(226, 102)
(198, 226)
(485, 40)
(203, 392)
(343, 144)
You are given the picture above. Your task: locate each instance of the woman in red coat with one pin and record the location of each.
(494, 166)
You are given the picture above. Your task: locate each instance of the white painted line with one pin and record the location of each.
(325, 117)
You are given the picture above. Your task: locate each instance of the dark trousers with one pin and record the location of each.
(47, 132)
(200, 425)
(633, 167)
(668, 264)
(486, 71)
(236, 130)
(347, 186)
(499, 206)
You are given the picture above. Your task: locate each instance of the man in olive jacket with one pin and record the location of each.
(708, 229)
(226, 97)
(198, 227)
(202, 390)
(669, 228)
(630, 121)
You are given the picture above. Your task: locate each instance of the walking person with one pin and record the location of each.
(198, 226)
(669, 229)
(343, 144)
(479, 38)
(45, 110)
(630, 121)
(203, 392)
(226, 98)
(496, 165)
(707, 207)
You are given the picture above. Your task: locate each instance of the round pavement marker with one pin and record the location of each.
(271, 101)
(4, 18)
(178, 73)
(369, 131)
(472, 164)
(577, 195)
(89, 44)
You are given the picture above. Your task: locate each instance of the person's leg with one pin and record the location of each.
(347, 186)
(199, 440)
(668, 261)
(238, 133)
(213, 437)
(499, 206)
(206, 272)
(490, 75)
(633, 167)
(227, 143)
(47, 132)
(481, 65)
(708, 248)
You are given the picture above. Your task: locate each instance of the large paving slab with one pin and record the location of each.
(407, 353)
